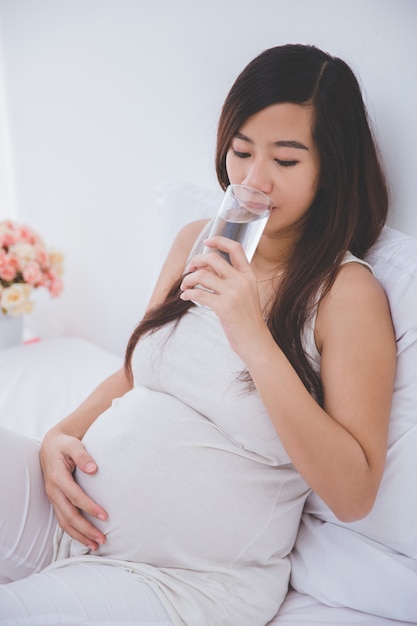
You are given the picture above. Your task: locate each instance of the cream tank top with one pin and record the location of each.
(203, 500)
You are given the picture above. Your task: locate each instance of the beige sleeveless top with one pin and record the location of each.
(204, 503)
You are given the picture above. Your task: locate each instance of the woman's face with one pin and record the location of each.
(274, 152)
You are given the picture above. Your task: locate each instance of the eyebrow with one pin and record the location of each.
(279, 144)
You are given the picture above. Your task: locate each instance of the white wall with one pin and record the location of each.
(8, 206)
(102, 99)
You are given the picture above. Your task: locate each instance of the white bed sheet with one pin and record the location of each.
(303, 610)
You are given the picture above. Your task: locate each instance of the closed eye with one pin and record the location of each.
(241, 155)
(285, 163)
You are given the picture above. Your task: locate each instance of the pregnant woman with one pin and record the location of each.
(173, 494)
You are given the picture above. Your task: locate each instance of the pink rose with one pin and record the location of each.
(26, 264)
(32, 273)
(26, 234)
(42, 256)
(8, 271)
(55, 285)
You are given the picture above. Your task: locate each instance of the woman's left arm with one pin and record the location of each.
(339, 449)
(355, 336)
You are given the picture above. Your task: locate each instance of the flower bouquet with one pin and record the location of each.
(25, 265)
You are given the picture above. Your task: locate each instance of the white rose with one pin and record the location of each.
(25, 252)
(24, 309)
(15, 298)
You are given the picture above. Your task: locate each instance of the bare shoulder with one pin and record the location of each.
(177, 257)
(355, 300)
(182, 246)
(355, 280)
(187, 235)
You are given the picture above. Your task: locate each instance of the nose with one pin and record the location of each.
(258, 177)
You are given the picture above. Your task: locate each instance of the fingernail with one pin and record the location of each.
(99, 540)
(101, 516)
(90, 546)
(90, 467)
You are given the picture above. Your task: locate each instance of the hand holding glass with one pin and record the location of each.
(242, 217)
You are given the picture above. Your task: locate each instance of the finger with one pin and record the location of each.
(232, 248)
(213, 264)
(91, 544)
(205, 278)
(80, 457)
(199, 296)
(61, 484)
(211, 261)
(72, 521)
(80, 529)
(73, 492)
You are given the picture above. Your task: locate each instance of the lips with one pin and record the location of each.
(256, 207)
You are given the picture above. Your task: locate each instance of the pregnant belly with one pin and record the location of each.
(174, 486)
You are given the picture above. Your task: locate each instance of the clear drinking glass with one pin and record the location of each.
(242, 216)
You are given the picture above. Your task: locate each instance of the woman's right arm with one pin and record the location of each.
(62, 451)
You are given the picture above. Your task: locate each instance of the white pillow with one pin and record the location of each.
(178, 204)
(371, 565)
(42, 382)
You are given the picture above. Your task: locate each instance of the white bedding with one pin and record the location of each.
(42, 382)
(303, 610)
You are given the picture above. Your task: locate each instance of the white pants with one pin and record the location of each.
(88, 593)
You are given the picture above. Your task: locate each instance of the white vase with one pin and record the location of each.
(11, 330)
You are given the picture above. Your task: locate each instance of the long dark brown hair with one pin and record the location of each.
(350, 207)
